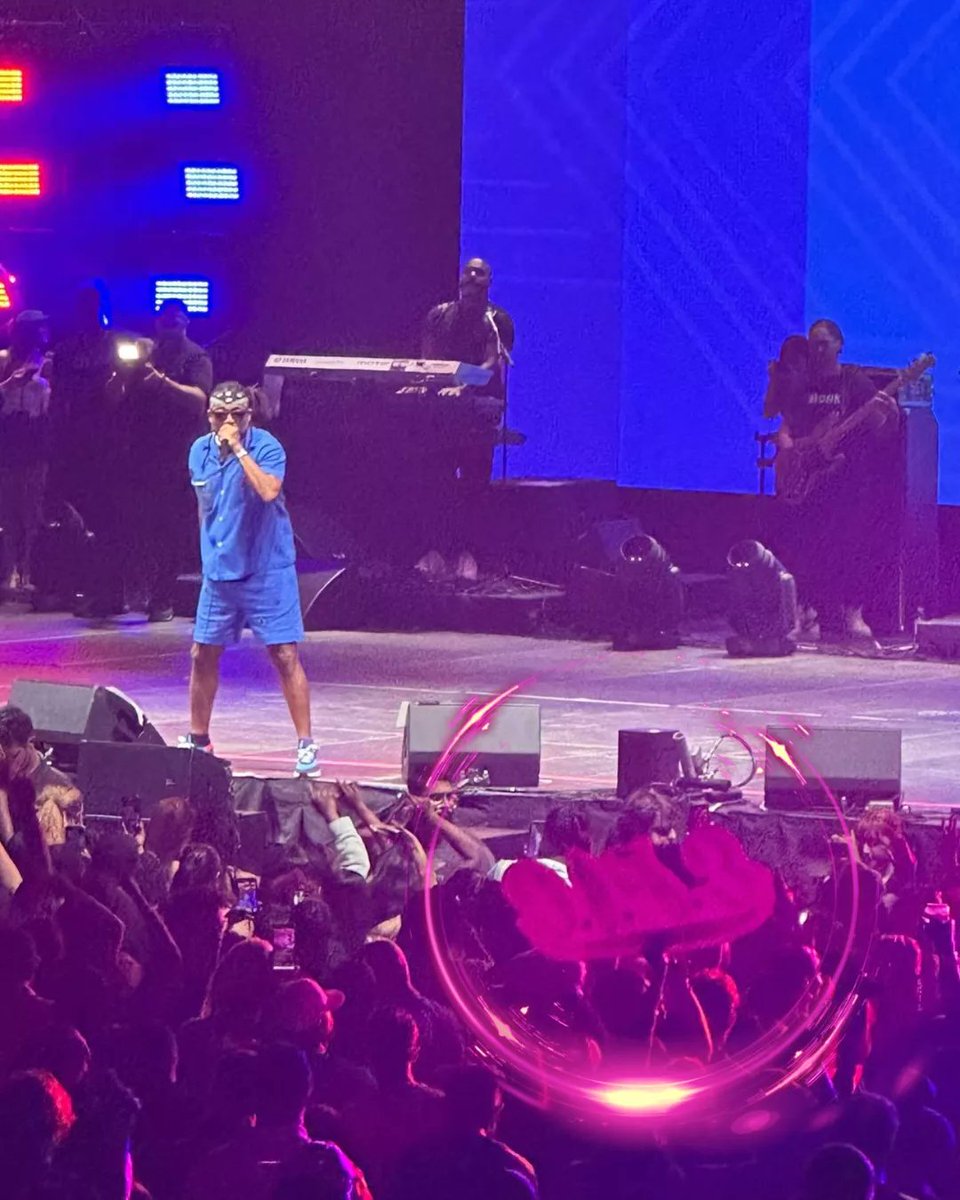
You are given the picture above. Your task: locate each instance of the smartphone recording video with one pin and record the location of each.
(248, 901)
(534, 838)
(131, 820)
(284, 945)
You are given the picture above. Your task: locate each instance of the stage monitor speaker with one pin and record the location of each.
(110, 773)
(646, 756)
(65, 714)
(857, 765)
(505, 754)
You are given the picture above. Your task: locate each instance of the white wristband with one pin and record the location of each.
(242, 452)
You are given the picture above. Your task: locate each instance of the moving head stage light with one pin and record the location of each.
(762, 603)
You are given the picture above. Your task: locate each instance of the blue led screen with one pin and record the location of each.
(666, 191)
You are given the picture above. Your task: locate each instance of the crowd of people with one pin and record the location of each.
(174, 1027)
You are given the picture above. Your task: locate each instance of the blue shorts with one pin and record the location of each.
(268, 603)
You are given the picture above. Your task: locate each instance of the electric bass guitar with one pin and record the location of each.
(804, 465)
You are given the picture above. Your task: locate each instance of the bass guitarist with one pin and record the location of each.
(834, 535)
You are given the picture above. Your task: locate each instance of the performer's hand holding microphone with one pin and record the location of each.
(229, 434)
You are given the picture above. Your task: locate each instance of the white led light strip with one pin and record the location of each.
(195, 293)
(193, 87)
(211, 183)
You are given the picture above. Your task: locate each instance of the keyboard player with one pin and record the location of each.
(471, 329)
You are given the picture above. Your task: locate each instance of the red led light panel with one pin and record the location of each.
(11, 85)
(19, 179)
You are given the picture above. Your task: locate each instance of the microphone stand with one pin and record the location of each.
(505, 376)
(504, 362)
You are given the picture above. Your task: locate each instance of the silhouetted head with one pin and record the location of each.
(201, 869)
(475, 280)
(302, 1012)
(870, 1122)
(243, 982)
(826, 342)
(89, 306)
(838, 1172)
(789, 979)
(390, 967)
(172, 321)
(30, 332)
(170, 828)
(566, 828)
(36, 1114)
(393, 1043)
(16, 729)
(654, 812)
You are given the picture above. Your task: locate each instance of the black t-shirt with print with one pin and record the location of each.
(841, 394)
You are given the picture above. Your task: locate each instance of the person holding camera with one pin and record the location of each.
(166, 398)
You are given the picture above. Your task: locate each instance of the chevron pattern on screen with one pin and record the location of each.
(884, 207)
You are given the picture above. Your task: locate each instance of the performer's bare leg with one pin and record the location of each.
(204, 678)
(296, 689)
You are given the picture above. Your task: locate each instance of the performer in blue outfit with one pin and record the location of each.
(248, 557)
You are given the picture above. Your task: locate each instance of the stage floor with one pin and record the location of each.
(586, 691)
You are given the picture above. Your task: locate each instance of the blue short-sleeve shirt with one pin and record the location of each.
(240, 534)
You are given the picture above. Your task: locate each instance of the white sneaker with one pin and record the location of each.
(186, 742)
(308, 758)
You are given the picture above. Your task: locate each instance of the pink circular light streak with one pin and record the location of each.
(632, 1100)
